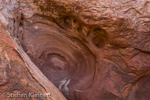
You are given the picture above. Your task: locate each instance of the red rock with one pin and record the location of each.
(90, 50)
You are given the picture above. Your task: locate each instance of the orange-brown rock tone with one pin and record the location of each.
(89, 49)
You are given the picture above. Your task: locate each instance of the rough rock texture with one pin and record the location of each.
(89, 49)
(19, 75)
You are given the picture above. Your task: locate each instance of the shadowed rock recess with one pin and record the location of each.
(89, 49)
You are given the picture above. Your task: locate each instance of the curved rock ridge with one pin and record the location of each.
(89, 49)
(66, 61)
(16, 80)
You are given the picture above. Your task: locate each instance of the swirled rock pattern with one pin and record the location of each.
(66, 61)
(89, 49)
(15, 77)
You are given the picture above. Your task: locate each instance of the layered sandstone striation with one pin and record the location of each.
(89, 49)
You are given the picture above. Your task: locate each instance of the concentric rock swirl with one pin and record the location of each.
(65, 61)
(89, 49)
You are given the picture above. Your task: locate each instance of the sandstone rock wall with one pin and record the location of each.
(89, 49)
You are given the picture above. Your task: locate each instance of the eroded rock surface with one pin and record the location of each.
(15, 77)
(89, 49)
